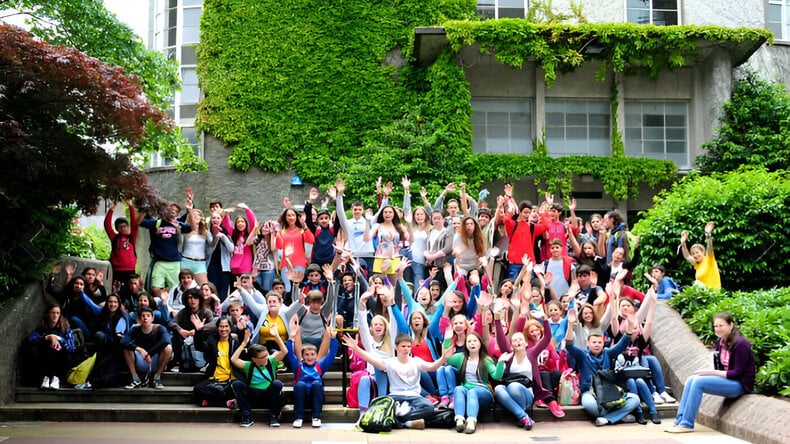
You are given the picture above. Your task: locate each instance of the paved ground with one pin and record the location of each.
(138, 433)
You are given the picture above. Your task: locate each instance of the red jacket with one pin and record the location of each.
(123, 256)
(522, 239)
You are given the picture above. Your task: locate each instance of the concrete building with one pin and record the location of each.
(666, 118)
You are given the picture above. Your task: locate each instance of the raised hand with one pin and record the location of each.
(549, 198)
(450, 187)
(572, 205)
(332, 192)
(508, 190)
(242, 205)
(340, 184)
(406, 182)
(423, 192)
(312, 194)
(709, 228)
(286, 202)
(684, 236)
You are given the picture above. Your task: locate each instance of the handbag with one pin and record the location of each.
(515, 377)
(635, 372)
(607, 393)
(80, 372)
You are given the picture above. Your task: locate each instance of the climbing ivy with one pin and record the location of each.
(328, 90)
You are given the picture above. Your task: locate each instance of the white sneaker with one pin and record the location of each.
(316, 422)
(55, 384)
(667, 398)
(657, 398)
(402, 409)
(45, 383)
(298, 423)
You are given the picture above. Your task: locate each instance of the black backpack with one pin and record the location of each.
(380, 416)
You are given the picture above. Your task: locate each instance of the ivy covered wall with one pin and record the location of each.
(325, 90)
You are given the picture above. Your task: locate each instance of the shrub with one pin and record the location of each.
(750, 241)
(763, 317)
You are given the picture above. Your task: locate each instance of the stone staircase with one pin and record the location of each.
(174, 404)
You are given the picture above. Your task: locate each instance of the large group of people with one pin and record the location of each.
(450, 306)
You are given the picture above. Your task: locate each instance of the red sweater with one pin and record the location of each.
(522, 241)
(123, 256)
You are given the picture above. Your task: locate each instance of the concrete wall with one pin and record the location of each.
(18, 318)
(754, 418)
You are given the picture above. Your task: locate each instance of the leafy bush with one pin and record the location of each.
(90, 243)
(750, 239)
(755, 128)
(762, 316)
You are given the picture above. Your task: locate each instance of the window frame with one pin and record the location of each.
(513, 142)
(651, 10)
(575, 104)
(643, 139)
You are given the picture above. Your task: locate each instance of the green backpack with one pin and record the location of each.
(380, 416)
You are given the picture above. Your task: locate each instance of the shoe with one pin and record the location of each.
(205, 367)
(657, 399)
(157, 384)
(434, 400)
(678, 429)
(654, 418)
(471, 426)
(540, 403)
(246, 421)
(451, 404)
(231, 404)
(527, 423)
(298, 423)
(460, 424)
(45, 383)
(556, 409)
(274, 422)
(54, 384)
(417, 424)
(640, 418)
(402, 408)
(316, 422)
(443, 403)
(134, 384)
(85, 386)
(601, 421)
(629, 419)
(175, 370)
(667, 398)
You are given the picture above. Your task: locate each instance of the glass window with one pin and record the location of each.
(189, 55)
(502, 126)
(656, 12)
(496, 9)
(779, 18)
(657, 130)
(578, 127)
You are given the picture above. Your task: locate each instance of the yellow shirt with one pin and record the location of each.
(708, 271)
(222, 372)
(264, 336)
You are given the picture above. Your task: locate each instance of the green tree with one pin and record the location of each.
(750, 240)
(754, 130)
(58, 107)
(89, 27)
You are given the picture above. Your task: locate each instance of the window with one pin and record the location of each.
(578, 127)
(658, 130)
(191, 25)
(779, 18)
(656, 12)
(496, 9)
(502, 126)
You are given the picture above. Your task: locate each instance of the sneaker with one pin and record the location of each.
(402, 408)
(540, 403)
(316, 422)
(527, 423)
(444, 402)
(55, 383)
(45, 383)
(654, 418)
(601, 421)
(640, 418)
(677, 428)
(417, 424)
(274, 422)
(134, 384)
(157, 384)
(471, 426)
(460, 424)
(434, 400)
(629, 419)
(85, 386)
(667, 397)
(298, 423)
(657, 399)
(246, 421)
(556, 409)
(175, 369)
(231, 404)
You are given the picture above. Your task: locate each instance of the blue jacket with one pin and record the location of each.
(589, 364)
(310, 374)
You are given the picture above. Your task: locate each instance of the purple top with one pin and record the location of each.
(741, 366)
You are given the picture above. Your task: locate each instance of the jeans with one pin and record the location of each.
(590, 405)
(76, 322)
(513, 270)
(265, 279)
(315, 392)
(142, 367)
(652, 363)
(427, 385)
(468, 402)
(419, 408)
(692, 395)
(248, 397)
(419, 274)
(377, 381)
(639, 387)
(445, 379)
(515, 397)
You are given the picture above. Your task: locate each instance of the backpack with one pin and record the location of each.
(352, 396)
(568, 391)
(380, 416)
(608, 394)
(192, 360)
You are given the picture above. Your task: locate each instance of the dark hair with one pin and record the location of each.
(395, 221)
(185, 272)
(195, 293)
(142, 310)
(120, 220)
(255, 349)
(62, 324)
(108, 316)
(216, 202)
(616, 217)
(283, 222)
(402, 337)
(729, 341)
(583, 269)
(482, 370)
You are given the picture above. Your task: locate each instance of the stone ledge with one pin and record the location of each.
(754, 418)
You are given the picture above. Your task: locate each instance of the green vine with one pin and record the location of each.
(618, 147)
(316, 90)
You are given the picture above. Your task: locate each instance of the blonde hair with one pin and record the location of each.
(386, 341)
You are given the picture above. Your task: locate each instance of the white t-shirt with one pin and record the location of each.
(404, 379)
